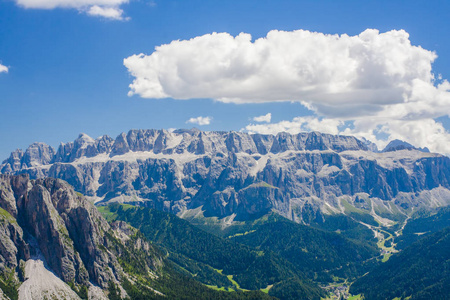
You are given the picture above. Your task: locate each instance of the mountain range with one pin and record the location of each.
(240, 176)
(284, 216)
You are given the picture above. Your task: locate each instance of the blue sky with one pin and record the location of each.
(66, 73)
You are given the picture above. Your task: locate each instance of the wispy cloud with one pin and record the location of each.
(264, 118)
(200, 120)
(297, 125)
(377, 83)
(3, 69)
(109, 9)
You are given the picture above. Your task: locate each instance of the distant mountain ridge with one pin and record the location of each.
(176, 142)
(241, 176)
(396, 145)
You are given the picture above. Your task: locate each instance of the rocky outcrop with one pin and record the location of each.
(12, 244)
(134, 241)
(83, 146)
(67, 228)
(37, 154)
(13, 163)
(186, 169)
(248, 203)
(46, 220)
(41, 219)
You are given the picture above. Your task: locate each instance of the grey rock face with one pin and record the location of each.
(248, 203)
(7, 195)
(13, 163)
(13, 247)
(230, 173)
(45, 220)
(134, 241)
(12, 244)
(42, 220)
(37, 154)
(83, 146)
(67, 229)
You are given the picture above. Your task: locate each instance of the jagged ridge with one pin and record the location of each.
(238, 174)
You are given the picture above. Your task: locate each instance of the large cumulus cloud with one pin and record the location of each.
(376, 82)
(371, 69)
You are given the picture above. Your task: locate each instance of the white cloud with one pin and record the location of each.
(264, 118)
(3, 69)
(323, 70)
(297, 125)
(424, 133)
(200, 120)
(106, 12)
(379, 83)
(104, 8)
(420, 133)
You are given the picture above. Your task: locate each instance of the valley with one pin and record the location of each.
(220, 215)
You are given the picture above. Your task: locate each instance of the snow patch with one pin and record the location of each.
(174, 140)
(327, 170)
(260, 164)
(389, 160)
(131, 156)
(302, 173)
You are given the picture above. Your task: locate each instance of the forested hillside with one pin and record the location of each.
(420, 271)
(211, 259)
(320, 254)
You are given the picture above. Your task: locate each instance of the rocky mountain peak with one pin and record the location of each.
(396, 145)
(83, 141)
(13, 163)
(83, 146)
(191, 131)
(37, 154)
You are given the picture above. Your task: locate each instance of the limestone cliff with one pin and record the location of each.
(48, 227)
(244, 175)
